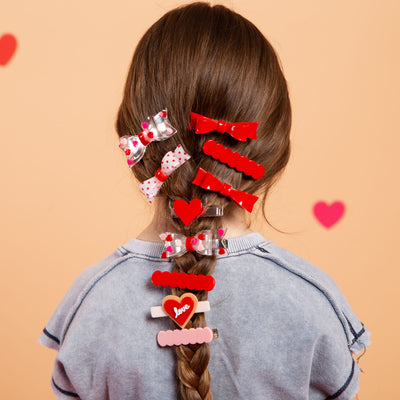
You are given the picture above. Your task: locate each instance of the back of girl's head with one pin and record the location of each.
(211, 61)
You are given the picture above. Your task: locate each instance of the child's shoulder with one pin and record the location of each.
(54, 331)
(319, 283)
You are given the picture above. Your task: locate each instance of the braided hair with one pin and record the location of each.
(214, 62)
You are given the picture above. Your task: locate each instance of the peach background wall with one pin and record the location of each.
(68, 199)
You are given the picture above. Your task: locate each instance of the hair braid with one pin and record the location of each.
(212, 61)
(194, 380)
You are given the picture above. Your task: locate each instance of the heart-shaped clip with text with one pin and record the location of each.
(180, 309)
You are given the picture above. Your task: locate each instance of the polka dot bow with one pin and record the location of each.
(170, 162)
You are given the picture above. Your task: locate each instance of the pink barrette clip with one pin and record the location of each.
(204, 243)
(157, 129)
(183, 280)
(170, 162)
(186, 336)
(233, 159)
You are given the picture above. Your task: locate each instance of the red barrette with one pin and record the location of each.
(183, 280)
(233, 159)
(238, 130)
(208, 181)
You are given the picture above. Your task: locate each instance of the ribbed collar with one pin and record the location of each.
(235, 245)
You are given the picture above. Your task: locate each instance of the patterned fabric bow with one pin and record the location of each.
(208, 181)
(238, 130)
(157, 129)
(170, 162)
(205, 243)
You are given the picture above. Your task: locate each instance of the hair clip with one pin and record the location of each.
(233, 159)
(158, 312)
(238, 130)
(183, 280)
(157, 129)
(204, 243)
(213, 211)
(208, 181)
(188, 212)
(186, 336)
(180, 309)
(170, 162)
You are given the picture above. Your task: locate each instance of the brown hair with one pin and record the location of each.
(212, 61)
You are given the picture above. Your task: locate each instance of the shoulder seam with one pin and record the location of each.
(63, 391)
(338, 311)
(89, 286)
(50, 336)
(344, 387)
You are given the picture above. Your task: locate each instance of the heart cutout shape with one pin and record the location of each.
(328, 215)
(187, 212)
(8, 45)
(180, 309)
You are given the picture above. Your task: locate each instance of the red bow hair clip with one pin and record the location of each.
(208, 181)
(238, 130)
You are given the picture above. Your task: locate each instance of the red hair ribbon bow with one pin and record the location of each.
(238, 130)
(208, 181)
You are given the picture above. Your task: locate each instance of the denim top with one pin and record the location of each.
(286, 332)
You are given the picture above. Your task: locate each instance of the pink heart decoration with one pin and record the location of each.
(8, 45)
(328, 215)
(169, 249)
(221, 232)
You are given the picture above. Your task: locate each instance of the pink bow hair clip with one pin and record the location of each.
(205, 243)
(156, 129)
(170, 162)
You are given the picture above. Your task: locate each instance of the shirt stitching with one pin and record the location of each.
(63, 391)
(344, 387)
(48, 334)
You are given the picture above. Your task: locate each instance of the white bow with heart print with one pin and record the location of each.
(170, 162)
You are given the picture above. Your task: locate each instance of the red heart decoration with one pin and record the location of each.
(8, 44)
(328, 215)
(180, 309)
(187, 212)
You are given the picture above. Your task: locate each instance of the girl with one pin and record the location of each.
(285, 331)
